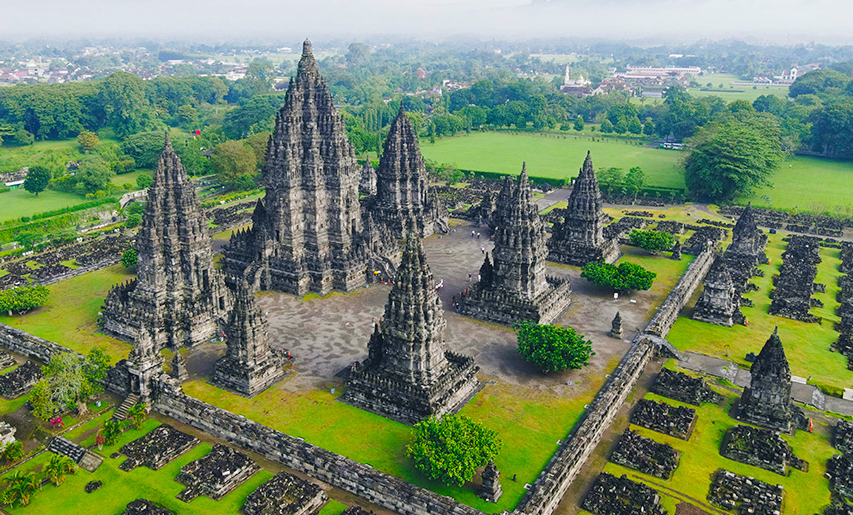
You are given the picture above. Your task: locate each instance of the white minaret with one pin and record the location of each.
(567, 79)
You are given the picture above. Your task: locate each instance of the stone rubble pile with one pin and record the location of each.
(215, 474)
(646, 455)
(19, 381)
(760, 447)
(682, 387)
(285, 494)
(145, 507)
(611, 495)
(792, 297)
(664, 418)
(157, 448)
(749, 495)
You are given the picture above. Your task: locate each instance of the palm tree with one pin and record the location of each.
(57, 468)
(137, 414)
(21, 488)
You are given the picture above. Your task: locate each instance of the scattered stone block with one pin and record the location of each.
(6, 360)
(664, 418)
(646, 455)
(748, 495)
(684, 388)
(215, 474)
(356, 510)
(610, 495)
(760, 447)
(145, 507)
(157, 448)
(839, 471)
(842, 437)
(285, 494)
(91, 486)
(19, 381)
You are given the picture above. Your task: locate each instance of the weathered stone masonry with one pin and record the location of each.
(28, 345)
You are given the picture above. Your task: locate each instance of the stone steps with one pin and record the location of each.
(60, 445)
(90, 461)
(129, 402)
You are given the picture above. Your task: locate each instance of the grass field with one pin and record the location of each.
(120, 488)
(810, 183)
(552, 156)
(20, 202)
(70, 315)
(14, 158)
(529, 423)
(806, 345)
(805, 492)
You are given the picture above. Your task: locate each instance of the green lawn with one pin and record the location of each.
(70, 315)
(805, 492)
(551, 156)
(14, 158)
(528, 421)
(810, 183)
(20, 202)
(333, 507)
(120, 488)
(806, 345)
(119, 180)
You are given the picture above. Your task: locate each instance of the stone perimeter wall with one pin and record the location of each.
(74, 272)
(31, 346)
(362, 480)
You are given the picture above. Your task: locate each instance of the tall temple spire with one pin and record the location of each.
(409, 373)
(516, 286)
(719, 303)
(178, 294)
(403, 199)
(767, 400)
(579, 239)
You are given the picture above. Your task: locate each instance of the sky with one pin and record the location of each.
(653, 21)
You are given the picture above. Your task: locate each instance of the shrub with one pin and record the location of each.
(552, 348)
(133, 220)
(144, 181)
(652, 241)
(23, 298)
(451, 449)
(625, 277)
(128, 258)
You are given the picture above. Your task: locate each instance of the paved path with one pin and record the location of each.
(729, 370)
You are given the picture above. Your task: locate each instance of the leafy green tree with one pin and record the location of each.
(71, 381)
(451, 449)
(187, 116)
(21, 488)
(24, 137)
(357, 54)
(22, 299)
(13, 451)
(634, 126)
(93, 174)
(731, 159)
(579, 123)
(257, 115)
(122, 96)
(635, 180)
(87, 140)
(611, 179)
(652, 241)
(132, 220)
(143, 181)
(232, 160)
(621, 126)
(606, 126)
(625, 277)
(260, 75)
(111, 430)
(57, 468)
(145, 148)
(37, 179)
(649, 127)
(552, 348)
(137, 414)
(128, 258)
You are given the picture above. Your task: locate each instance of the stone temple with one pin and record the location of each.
(746, 251)
(403, 201)
(409, 374)
(367, 183)
(719, 303)
(249, 365)
(308, 235)
(767, 401)
(514, 285)
(578, 238)
(178, 294)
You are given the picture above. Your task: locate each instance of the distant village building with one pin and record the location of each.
(579, 87)
(678, 72)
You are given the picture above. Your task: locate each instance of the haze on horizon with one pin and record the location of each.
(649, 21)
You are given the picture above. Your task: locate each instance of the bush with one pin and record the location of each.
(23, 298)
(144, 181)
(625, 277)
(133, 220)
(451, 449)
(552, 348)
(652, 241)
(87, 140)
(128, 258)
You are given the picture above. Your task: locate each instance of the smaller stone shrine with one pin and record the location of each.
(681, 387)
(215, 474)
(514, 285)
(611, 495)
(19, 381)
(249, 365)
(746, 251)
(409, 374)
(490, 490)
(719, 303)
(145, 507)
(616, 326)
(367, 184)
(842, 437)
(646, 455)
(664, 418)
(285, 494)
(767, 400)
(760, 447)
(579, 239)
(753, 497)
(179, 367)
(157, 448)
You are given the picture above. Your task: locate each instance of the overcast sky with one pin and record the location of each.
(653, 21)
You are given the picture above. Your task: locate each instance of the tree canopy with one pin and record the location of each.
(552, 348)
(69, 382)
(625, 277)
(23, 298)
(652, 241)
(37, 179)
(233, 162)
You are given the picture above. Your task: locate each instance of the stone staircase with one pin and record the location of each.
(60, 445)
(129, 402)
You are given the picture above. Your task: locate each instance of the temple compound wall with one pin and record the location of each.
(29, 345)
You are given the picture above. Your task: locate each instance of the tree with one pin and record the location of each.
(606, 127)
(451, 449)
(24, 137)
(145, 148)
(652, 241)
(260, 75)
(137, 414)
(122, 96)
(634, 126)
(21, 488)
(87, 140)
(579, 123)
(731, 159)
(552, 348)
(93, 173)
(621, 126)
(610, 179)
(625, 277)
(37, 179)
(635, 180)
(649, 127)
(132, 220)
(71, 381)
(143, 181)
(357, 54)
(111, 430)
(231, 160)
(13, 451)
(57, 468)
(128, 258)
(21, 299)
